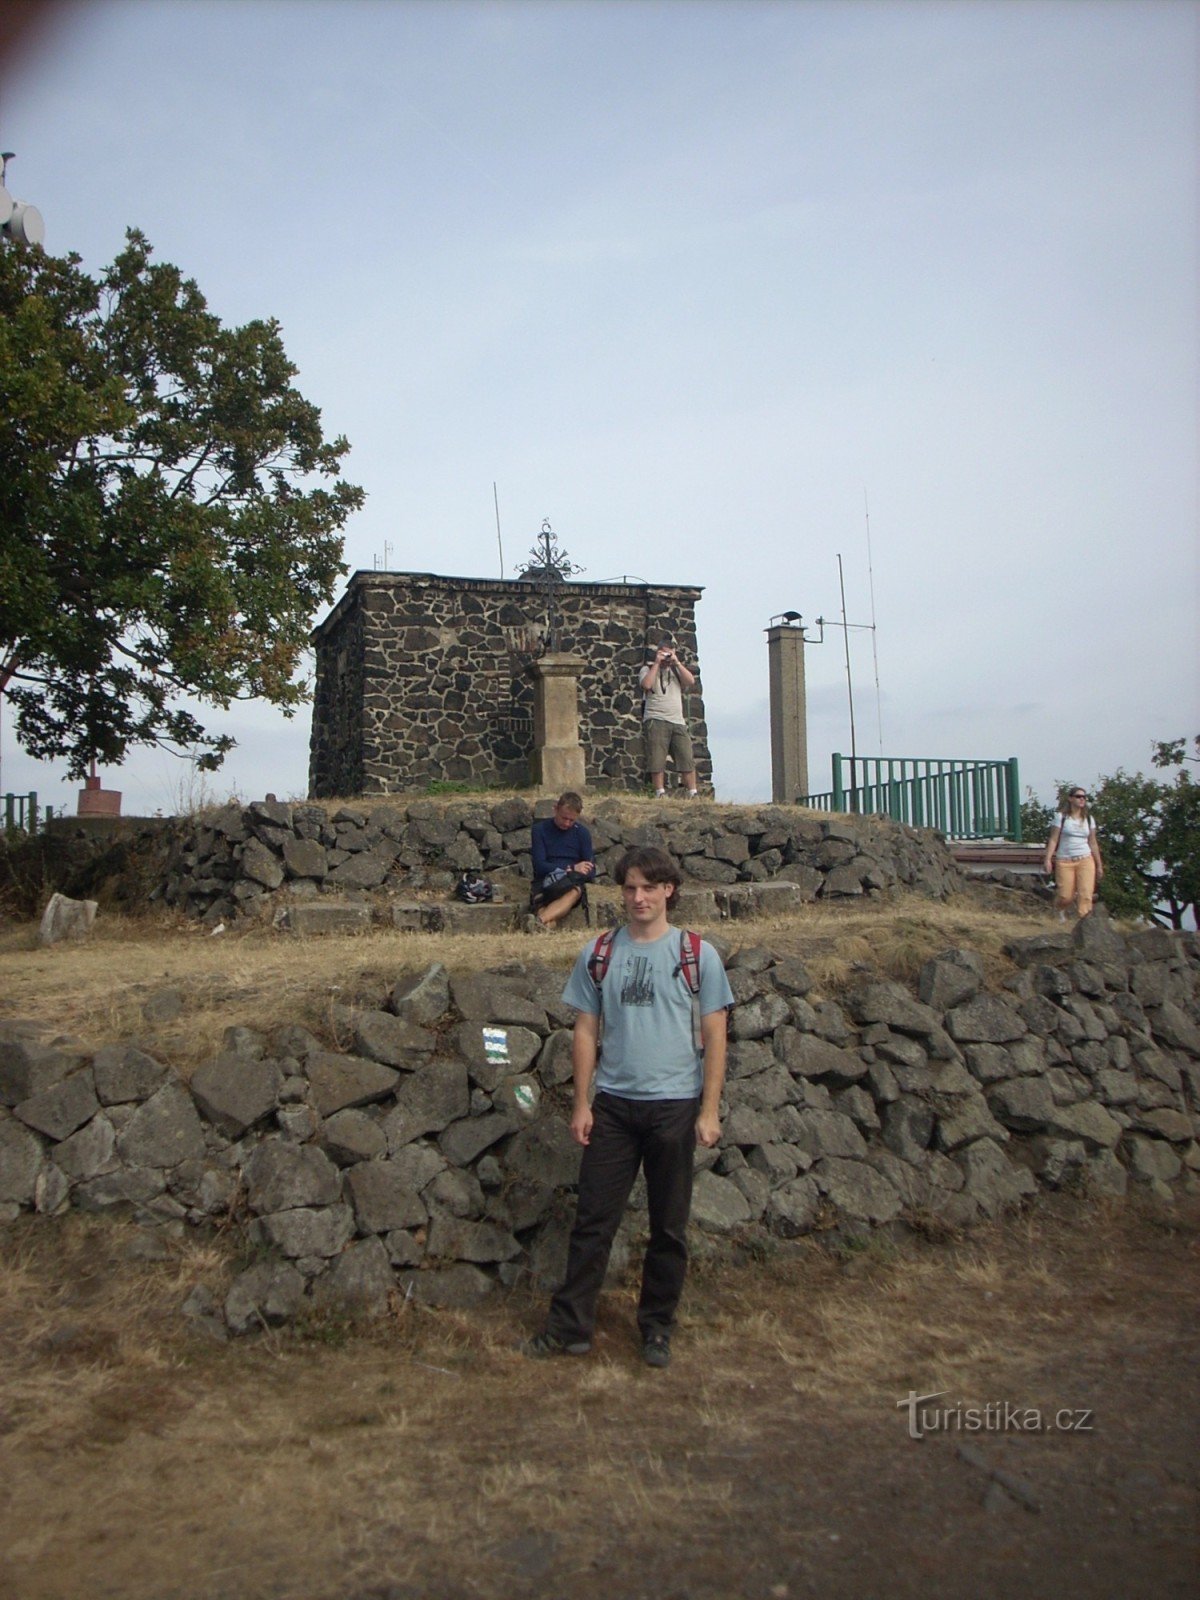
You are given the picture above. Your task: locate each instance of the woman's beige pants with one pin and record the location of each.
(1075, 881)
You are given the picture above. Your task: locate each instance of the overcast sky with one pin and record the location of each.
(700, 282)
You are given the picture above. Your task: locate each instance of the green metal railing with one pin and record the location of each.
(21, 813)
(964, 799)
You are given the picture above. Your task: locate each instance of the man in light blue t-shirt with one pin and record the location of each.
(658, 1094)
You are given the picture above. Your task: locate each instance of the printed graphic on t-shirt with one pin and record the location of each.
(637, 986)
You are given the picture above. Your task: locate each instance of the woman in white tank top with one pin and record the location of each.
(1074, 851)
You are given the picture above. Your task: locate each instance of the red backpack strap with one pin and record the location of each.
(601, 956)
(689, 959)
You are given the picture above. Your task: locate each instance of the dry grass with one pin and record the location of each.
(256, 976)
(140, 1461)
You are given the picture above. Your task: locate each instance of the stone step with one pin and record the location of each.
(327, 916)
(700, 904)
(454, 916)
(758, 899)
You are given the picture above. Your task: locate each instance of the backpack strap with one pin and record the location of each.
(689, 959)
(600, 957)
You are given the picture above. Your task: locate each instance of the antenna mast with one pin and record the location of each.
(496, 498)
(874, 649)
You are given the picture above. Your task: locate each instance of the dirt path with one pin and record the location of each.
(772, 1459)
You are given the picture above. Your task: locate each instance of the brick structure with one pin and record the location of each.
(421, 677)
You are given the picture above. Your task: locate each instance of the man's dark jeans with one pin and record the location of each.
(660, 1137)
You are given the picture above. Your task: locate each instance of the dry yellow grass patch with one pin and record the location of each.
(256, 976)
(142, 1462)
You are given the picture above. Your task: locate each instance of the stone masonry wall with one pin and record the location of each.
(258, 858)
(423, 678)
(429, 1154)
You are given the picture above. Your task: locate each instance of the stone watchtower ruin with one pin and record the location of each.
(422, 678)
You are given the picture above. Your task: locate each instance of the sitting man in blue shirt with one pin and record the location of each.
(563, 862)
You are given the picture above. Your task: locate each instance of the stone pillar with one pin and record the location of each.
(789, 714)
(557, 760)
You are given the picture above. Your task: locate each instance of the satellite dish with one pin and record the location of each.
(25, 224)
(6, 205)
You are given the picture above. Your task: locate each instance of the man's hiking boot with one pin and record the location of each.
(549, 1344)
(656, 1350)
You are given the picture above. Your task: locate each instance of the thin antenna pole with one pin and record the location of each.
(850, 692)
(496, 498)
(874, 650)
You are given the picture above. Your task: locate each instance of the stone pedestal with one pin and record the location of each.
(789, 716)
(557, 760)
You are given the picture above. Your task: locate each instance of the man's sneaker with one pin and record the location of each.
(656, 1350)
(549, 1344)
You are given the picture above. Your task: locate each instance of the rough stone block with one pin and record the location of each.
(1023, 1103)
(64, 918)
(90, 1152)
(857, 1190)
(424, 1001)
(63, 1107)
(384, 1197)
(718, 1204)
(163, 1131)
(985, 1020)
(950, 979)
(350, 1136)
(490, 997)
(305, 858)
(458, 1239)
(123, 1073)
(235, 1092)
(305, 1232)
(340, 1081)
(462, 1141)
(428, 1101)
(381, 1036)
(281, 1177)
(493, 1052)
(455, 1288)
(969, 1120)
(992, 1180)
(545, 1152)
(28, 1067)
(1088, 1121)
(793, 1209)
(360, 1279)
(271, 1292)
(21, 1160)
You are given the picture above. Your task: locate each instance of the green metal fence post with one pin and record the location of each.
(839, 794)
(1014, 801)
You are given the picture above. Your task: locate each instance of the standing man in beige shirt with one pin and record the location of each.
(664, 727)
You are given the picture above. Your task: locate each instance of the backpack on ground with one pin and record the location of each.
(472, 889)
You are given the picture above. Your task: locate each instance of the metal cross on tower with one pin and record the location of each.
(551, 566)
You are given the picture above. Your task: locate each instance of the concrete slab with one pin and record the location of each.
(455, 917)
(328, 916)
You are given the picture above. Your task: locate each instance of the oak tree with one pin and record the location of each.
(170, 511)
